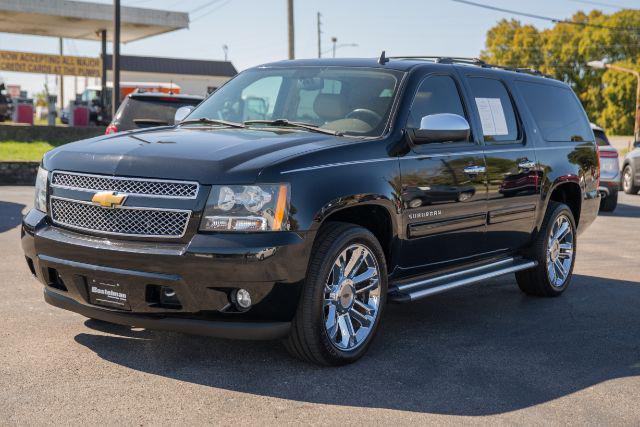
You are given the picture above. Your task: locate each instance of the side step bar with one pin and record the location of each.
(422, 288)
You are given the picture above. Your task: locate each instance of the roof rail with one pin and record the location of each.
(471, 61)
(443, 59)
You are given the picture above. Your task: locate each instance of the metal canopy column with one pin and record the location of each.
(103, 91)
(115, 97)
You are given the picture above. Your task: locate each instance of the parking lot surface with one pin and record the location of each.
(484, 354)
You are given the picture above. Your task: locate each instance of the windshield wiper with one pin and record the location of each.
(286, 123)
(206, 121)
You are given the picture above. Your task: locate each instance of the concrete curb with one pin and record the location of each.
(18, 173)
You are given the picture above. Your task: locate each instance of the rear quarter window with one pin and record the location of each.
(557, 112)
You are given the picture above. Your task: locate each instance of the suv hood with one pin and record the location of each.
(206, 155)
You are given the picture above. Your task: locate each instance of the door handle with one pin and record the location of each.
(527, 164)
(474, 170)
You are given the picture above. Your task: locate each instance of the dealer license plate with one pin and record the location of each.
(109, 293)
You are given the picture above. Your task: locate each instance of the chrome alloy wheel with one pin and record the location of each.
(352, 297)
(560, 251)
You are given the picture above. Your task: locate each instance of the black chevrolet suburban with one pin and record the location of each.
(301, 196)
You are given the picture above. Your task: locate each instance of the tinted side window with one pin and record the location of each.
(498, 119)
(556, 111)
(436, 95)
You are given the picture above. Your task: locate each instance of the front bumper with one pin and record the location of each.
(203, 273)
(220, 329)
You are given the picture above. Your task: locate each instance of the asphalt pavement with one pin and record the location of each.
(483, 354)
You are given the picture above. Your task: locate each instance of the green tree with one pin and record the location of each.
(563, 52)
(512, 44)
(619, 94)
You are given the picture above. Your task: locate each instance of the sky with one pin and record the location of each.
(256, 30)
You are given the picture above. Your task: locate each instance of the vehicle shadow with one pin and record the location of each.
(475, 351)
(623, 211)
(10, 215)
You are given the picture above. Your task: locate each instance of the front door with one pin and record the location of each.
(512, 169)
(444, 194)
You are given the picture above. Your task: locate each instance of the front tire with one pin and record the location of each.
(554, 249)
(343, 297)
(627, 181)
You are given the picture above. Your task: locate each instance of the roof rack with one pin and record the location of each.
(471, 61)
(444, 59)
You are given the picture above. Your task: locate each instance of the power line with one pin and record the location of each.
(204, 6)
(597, 3)
(209, 12)
(545, 18)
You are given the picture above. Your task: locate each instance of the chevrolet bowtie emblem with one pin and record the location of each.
(109, 199)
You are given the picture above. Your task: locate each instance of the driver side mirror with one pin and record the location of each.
(443, 127)
(636, 143)
(182, 113)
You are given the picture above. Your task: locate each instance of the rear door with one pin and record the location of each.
(443, 186)
(512, 170)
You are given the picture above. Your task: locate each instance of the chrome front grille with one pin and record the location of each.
(131, 186)
(126, 221)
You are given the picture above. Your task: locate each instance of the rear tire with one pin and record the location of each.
(609, 203)
(554, 250)
(339, 313)
(628, 181)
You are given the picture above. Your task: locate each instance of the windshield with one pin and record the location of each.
(355, 101)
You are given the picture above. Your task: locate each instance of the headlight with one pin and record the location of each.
(40, 202)
(263, 207)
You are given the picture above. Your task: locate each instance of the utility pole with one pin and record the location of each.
(61, 76)
(292, 52)
(115, 98)
(334, 40)
(319, 35)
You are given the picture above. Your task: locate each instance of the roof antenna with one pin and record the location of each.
(383, 59)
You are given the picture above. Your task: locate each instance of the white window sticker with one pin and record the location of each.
(492, 116)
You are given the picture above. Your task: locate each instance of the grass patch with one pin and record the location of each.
(23, 151)
(45, 121)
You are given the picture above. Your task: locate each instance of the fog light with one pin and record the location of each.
(242, 298)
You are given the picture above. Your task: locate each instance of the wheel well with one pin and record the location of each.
(570, 195)
(376, 219)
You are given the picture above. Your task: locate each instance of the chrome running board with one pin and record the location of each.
(422, 288)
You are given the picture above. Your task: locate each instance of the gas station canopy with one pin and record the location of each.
(84, 20)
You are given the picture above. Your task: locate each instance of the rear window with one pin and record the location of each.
(601, 138)
(556, 111)
(139, 113)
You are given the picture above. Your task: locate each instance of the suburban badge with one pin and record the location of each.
(426, 214)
